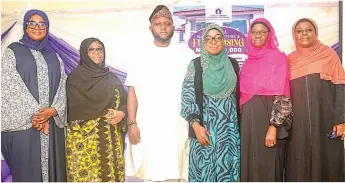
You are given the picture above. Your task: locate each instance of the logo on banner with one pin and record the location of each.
(217, 12)
(235, 41)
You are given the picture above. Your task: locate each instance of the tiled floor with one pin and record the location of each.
(133, 179)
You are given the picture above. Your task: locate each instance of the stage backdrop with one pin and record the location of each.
(190, 20)
(124, 25)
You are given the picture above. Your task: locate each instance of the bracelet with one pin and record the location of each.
(132, 122)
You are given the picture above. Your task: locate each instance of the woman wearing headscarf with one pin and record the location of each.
(265, 106)
(317, 78)
(209, 104)
(96, 124)
(33, 106)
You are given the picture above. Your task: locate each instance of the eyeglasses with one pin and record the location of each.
(217, 38)
(262, 32)
(32, 25)
(94, 50)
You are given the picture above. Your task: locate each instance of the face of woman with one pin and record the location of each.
(259, 35)
(96, 52)
(214, 42)
(305, 34)
(36, 28)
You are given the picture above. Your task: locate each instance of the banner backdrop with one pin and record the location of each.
(122, 26)
(190, 21)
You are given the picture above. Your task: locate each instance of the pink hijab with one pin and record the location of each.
(265, 72)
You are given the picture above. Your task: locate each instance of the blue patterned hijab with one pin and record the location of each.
(41, 45)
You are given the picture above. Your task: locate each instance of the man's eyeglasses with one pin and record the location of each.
(94, 50)
(32, 25)
(262, 32)
(217, 38)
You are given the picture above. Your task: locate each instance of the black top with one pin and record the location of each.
(91, 87)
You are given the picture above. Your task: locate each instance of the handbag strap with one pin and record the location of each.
(198, 88)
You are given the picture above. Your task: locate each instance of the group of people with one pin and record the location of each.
(279, 118)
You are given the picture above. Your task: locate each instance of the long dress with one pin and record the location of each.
(95, 148)
(28, 85)
(318, 105)
(219, 161)
(258, 162)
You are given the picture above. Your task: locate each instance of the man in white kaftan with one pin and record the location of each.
(156, 131)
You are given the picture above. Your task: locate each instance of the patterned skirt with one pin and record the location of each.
(95, 152)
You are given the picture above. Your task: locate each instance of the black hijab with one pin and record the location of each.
(91, 87)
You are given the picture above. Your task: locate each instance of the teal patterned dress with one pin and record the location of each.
(219, 161)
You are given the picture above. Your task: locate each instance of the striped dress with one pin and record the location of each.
(219, 161)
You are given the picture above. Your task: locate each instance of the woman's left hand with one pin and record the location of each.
(340, 130)
(44, 115)
(114, 116)
(271, 137)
